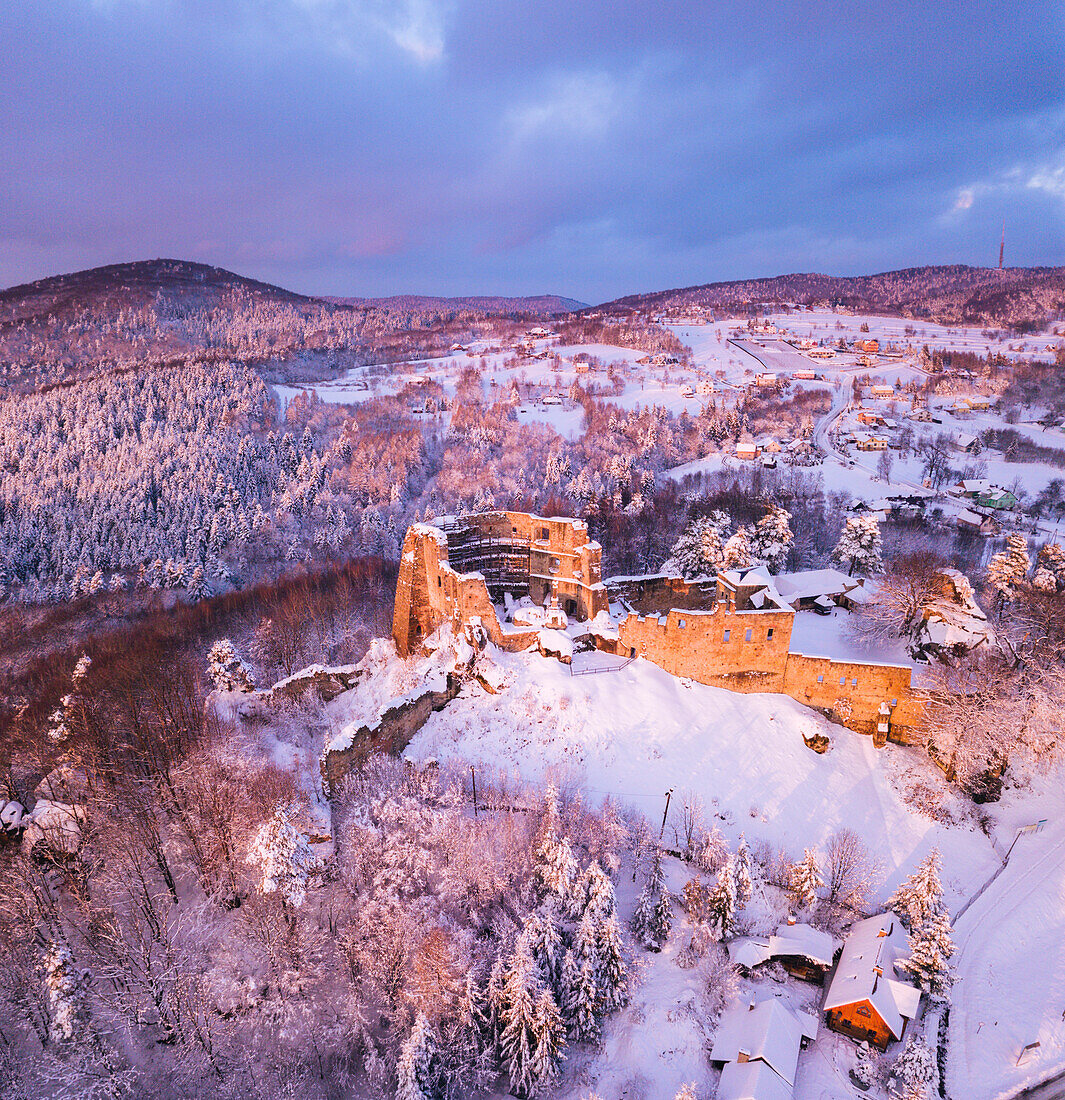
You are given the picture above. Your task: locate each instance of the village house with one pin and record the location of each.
(968, 520)
(870, 347)
(757, 1046)
(766, 379)
(805, 952)
(963, 442)
(865, 442)
(869, 416)
(866, 1000)
(820, 590)
(748, 451)
(805, 375)
(882, 392)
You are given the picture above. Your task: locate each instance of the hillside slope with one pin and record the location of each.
(954, 294)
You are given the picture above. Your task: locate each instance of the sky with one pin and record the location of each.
(590, 148)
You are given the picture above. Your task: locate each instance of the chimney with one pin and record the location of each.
(791, 919)
(743, 1055)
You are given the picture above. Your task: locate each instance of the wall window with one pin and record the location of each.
(854, 682)
(439, 583)
(681, 623)
(862, 1010)
(544, 533)
(728, 634)
(747, 636)
(894, 702)
(769, 635)
(820, 679)
(842, 680)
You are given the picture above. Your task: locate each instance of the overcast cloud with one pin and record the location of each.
(529, 146)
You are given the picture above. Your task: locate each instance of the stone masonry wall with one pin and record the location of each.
(739, 650)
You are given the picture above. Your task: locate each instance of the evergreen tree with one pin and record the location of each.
(1008, 570)
(921, 895)
(738, 552)
(613, 973)
(860, 546)
(581, 998)
(722, 902)
(549, 1041)
(698, 552)
(226, 668)
(915, 1069)
(653, 916)
(743, 867)
(414, 1068)
(283, 855)
(865, 1066)
(545, 942)
(806, 880)
(773, 538)
(931, 948)
(523, 1022)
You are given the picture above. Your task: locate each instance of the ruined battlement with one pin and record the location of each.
(454, 569)
(733, 631)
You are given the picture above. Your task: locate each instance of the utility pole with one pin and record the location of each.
(1002, 246)
(473, 774)
(665, 814)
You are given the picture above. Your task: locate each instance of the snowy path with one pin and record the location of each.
(1010, 991)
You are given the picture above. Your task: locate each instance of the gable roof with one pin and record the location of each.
(809, 583)
(866, 972)
(752, 1081)
(790, 939)
(769, 1032)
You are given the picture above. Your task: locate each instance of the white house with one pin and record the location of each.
(758, 1045)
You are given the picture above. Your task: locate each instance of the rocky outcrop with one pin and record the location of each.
(391, 733)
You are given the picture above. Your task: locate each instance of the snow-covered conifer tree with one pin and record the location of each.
(806, 879)
(549, 1041)
(653, 916)
(519, 1020)
(931, 948)
(698, 551)
(580, 998)
(226, 669)
(773, 538)
(738, 552)
(283, 855)
(722, 901)
(414, 1068)
(1008, 569)
(921, 895)
(613, 973)
(915, 1069)
(860, 546)
(743, 866)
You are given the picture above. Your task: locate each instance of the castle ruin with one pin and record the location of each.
(733, 631)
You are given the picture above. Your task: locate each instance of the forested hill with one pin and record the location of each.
(90, 323)
(1018, 297)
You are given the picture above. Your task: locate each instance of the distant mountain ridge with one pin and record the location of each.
(954, 294)
(545, 305)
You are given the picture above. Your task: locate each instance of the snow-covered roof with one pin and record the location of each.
(809, 583)
(752, 1081)
(768, 1032)
(790, 939)
(866, 972)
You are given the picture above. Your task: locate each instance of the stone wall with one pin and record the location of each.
(739, 650)
(851, 693)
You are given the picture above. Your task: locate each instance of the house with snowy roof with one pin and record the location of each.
(818, 589)
(804, 951)
(866, 999)
(758, 1047)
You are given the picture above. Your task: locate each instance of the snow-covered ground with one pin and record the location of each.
(639, 732)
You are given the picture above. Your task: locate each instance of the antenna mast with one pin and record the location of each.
(1002, 247)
